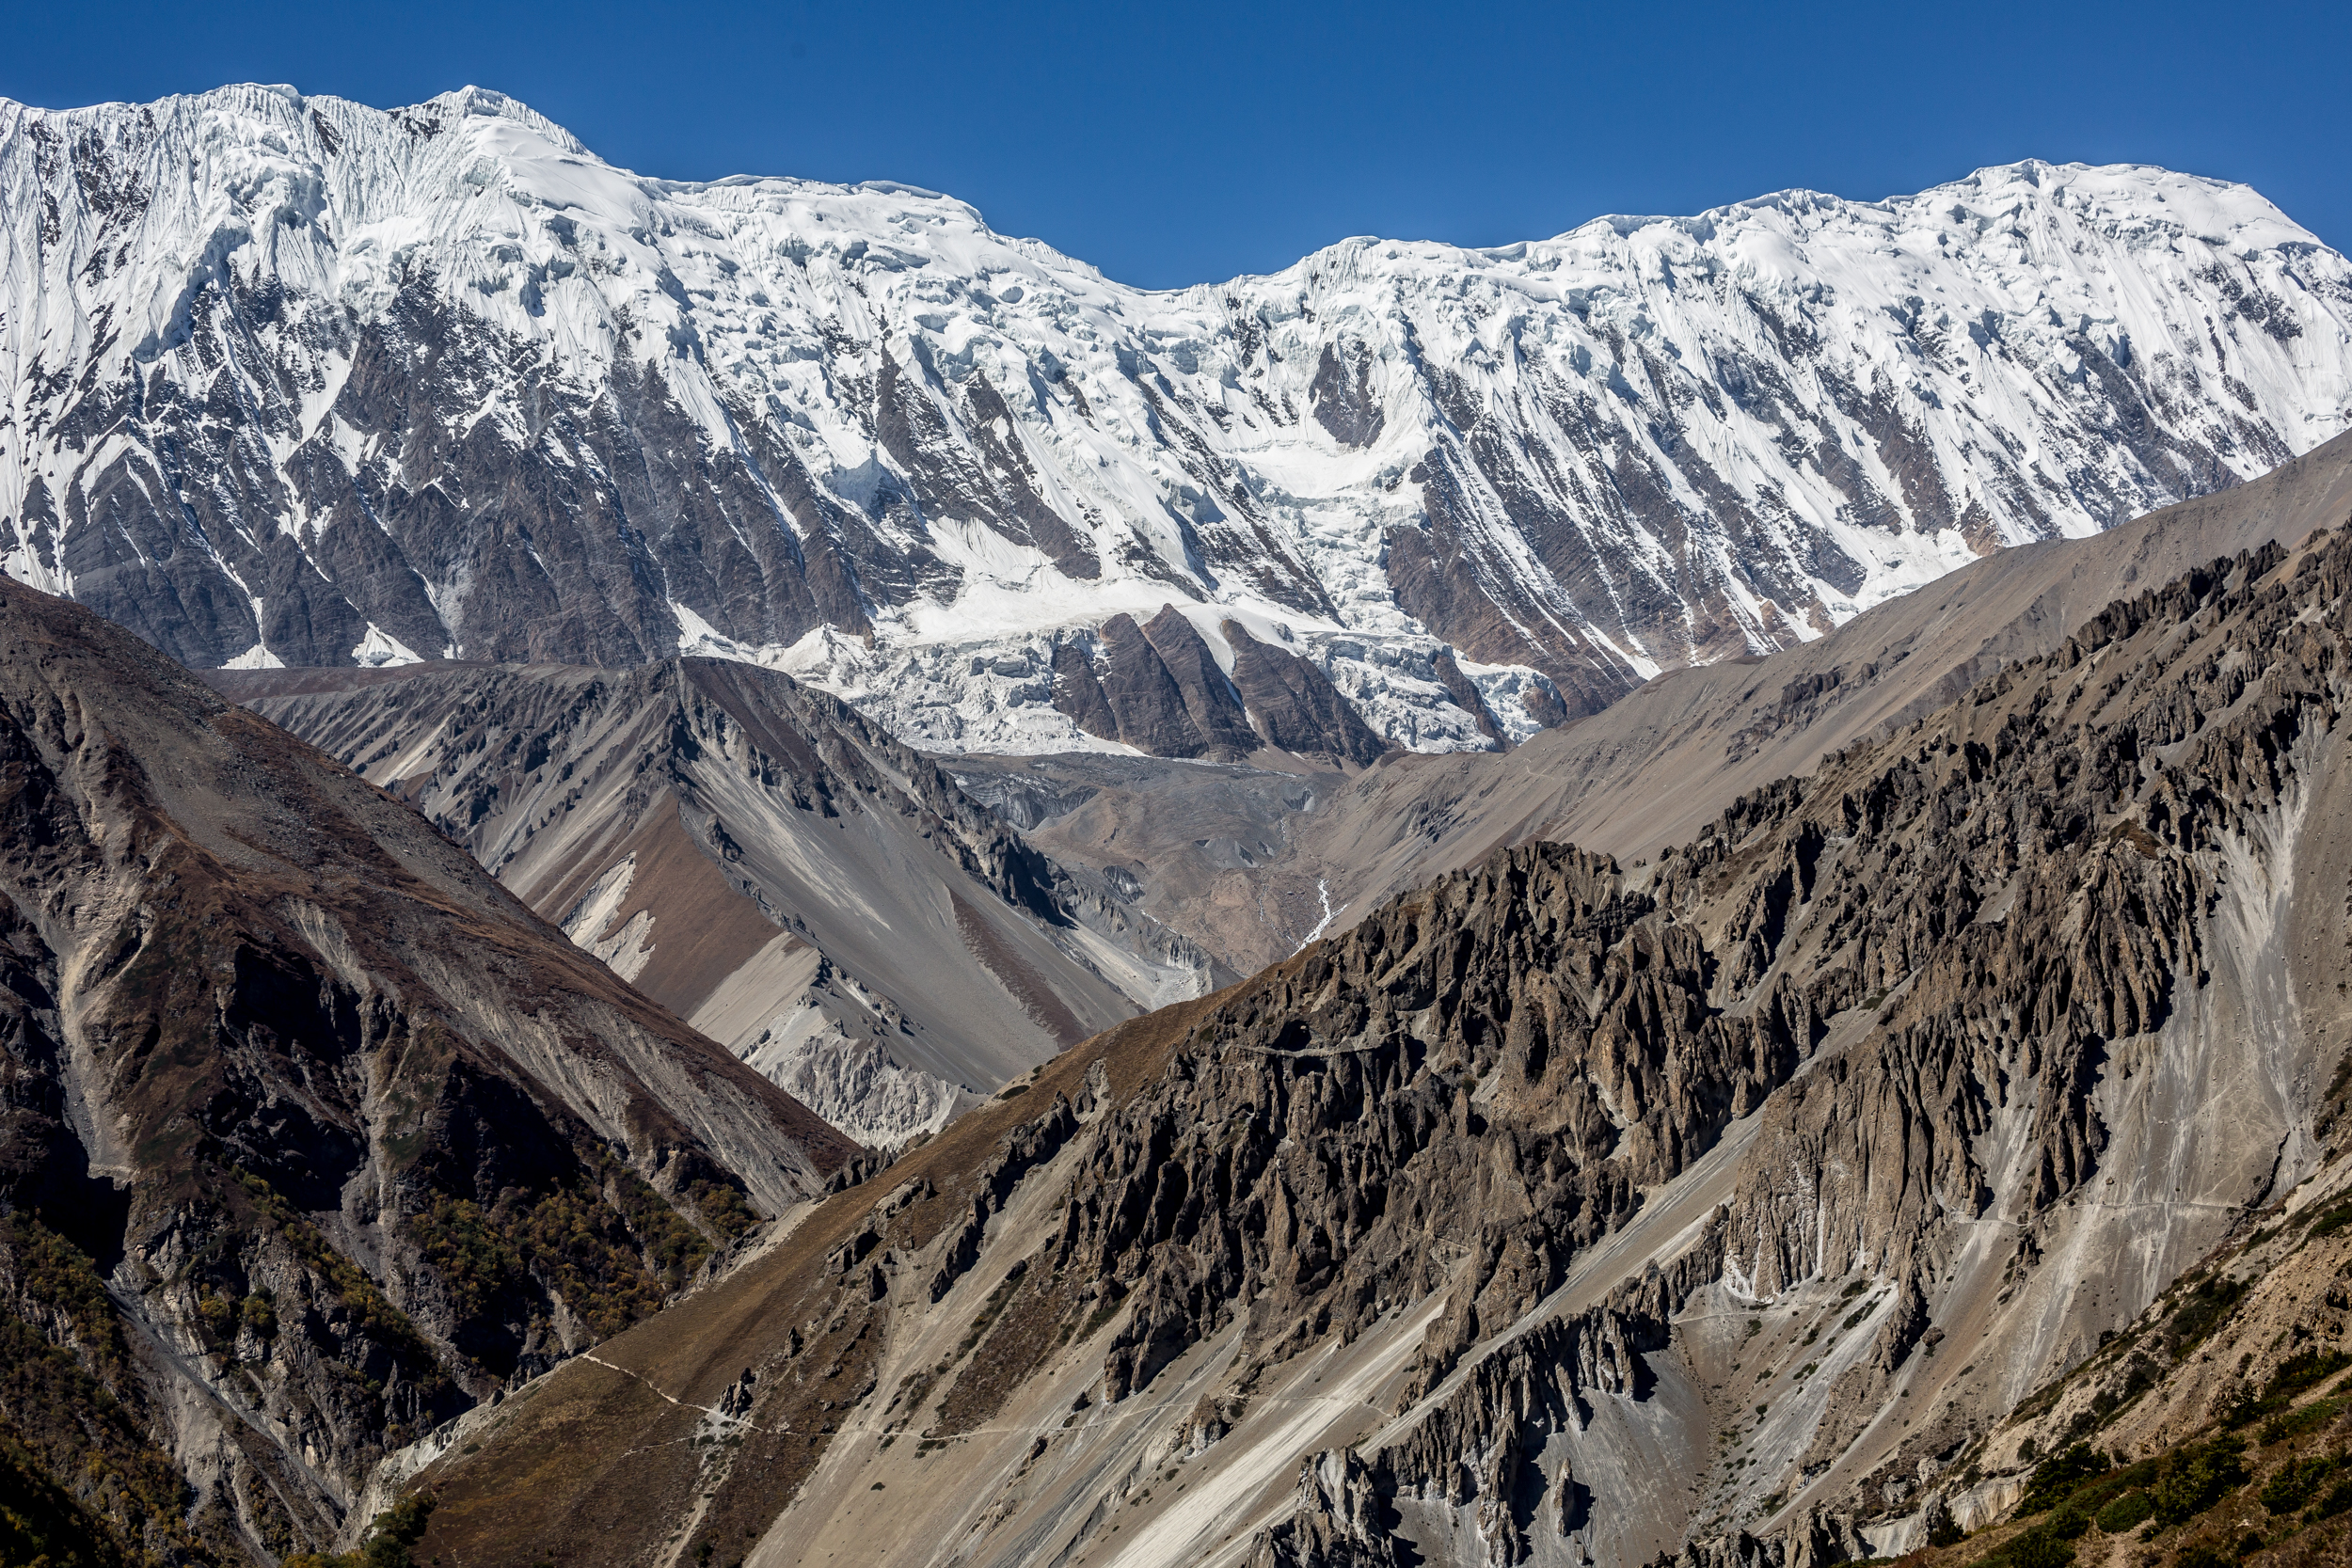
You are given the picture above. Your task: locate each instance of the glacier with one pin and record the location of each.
(292, 380)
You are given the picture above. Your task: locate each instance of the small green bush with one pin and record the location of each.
(2199, 1311)
(2039, 1547)
(2295, 1423)
(2328, 1221)
(397, 1528)
(2059, 1474)
(2296, 1484)
(2126, 1512)
(2307, 1371)
(2198, 1477)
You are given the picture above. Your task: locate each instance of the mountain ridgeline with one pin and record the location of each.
(1404, 494)
(1569, 1211)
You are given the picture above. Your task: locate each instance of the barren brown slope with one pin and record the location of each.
(601, 1460)
(822, 900)
(1566, 1212)
(313, 1132)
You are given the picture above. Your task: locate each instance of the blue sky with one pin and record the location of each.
(1174, 143)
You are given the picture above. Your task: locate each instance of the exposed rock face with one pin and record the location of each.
(1210, 699)
(762, 861)
(1155, 711)
(1608, 1035)
(601, 418)
(313, 1136)
(1336, 1521)
(856, 1085)
(1293, 706)
(1158, 689)
(1834, 1132)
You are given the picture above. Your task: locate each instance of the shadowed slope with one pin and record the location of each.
(349, 1135)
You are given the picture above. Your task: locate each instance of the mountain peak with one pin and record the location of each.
(852, 433)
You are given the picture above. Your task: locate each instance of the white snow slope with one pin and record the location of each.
(293, 380)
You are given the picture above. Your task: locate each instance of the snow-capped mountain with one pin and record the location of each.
(292, 380)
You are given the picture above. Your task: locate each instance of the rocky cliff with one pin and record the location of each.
(2211, 1429)
(292, 380)
(1570, 1211)
(313, 1136)
(763, 861)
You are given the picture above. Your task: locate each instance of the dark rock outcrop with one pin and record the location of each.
(1344, 398)
(1159, 689)
(1467, 697)
(1078, 694)
(1336, 1521)
(1208, 697)
(1295, 707)
(1150, 704)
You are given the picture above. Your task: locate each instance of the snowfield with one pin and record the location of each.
(292, 380)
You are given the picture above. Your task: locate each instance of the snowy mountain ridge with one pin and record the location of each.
(293, 380)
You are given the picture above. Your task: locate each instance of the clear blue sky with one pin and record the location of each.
(1172, 143)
